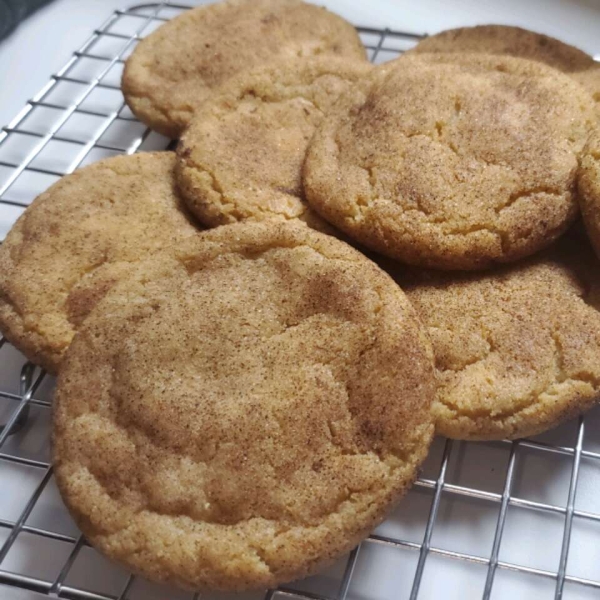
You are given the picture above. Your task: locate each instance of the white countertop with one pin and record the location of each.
(45, 41)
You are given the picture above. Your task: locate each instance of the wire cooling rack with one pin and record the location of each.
(485, 520)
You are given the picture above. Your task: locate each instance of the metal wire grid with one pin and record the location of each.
(382, 44)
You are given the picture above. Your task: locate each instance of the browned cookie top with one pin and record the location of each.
(452, 161)
(76, 240)
(241, 157)
(514, 41)
(240, 414)
(517, 350)
(173, 70)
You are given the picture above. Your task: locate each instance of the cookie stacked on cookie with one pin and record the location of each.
(503, 40)
(238, 407)
(77, 239)
(232, 408)
(452, 161)
(174, 70)
(518, 348)
(240, 413)
(242, 156)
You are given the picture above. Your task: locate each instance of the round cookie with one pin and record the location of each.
(517, 350)
(254, 405)
(173, 70)
(514, 41)
(452, 161)
(241, 157)
(589, 189)
(76, 239)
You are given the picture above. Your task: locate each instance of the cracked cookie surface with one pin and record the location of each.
(255, 406)
(514, 41)
(173, 70)
(241, 157)
(76, 240)
(517, 350)
(452, 161)
(589, 189)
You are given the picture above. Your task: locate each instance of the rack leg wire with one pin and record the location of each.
(31, 378)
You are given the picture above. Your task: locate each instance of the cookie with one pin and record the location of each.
(173, 70)
(514, 41)
(241, 157)
(76, 240)
(589, 189)
(452, 161)
(517, 350)
(241, 414)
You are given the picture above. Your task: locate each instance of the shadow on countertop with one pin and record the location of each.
(12, 12)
